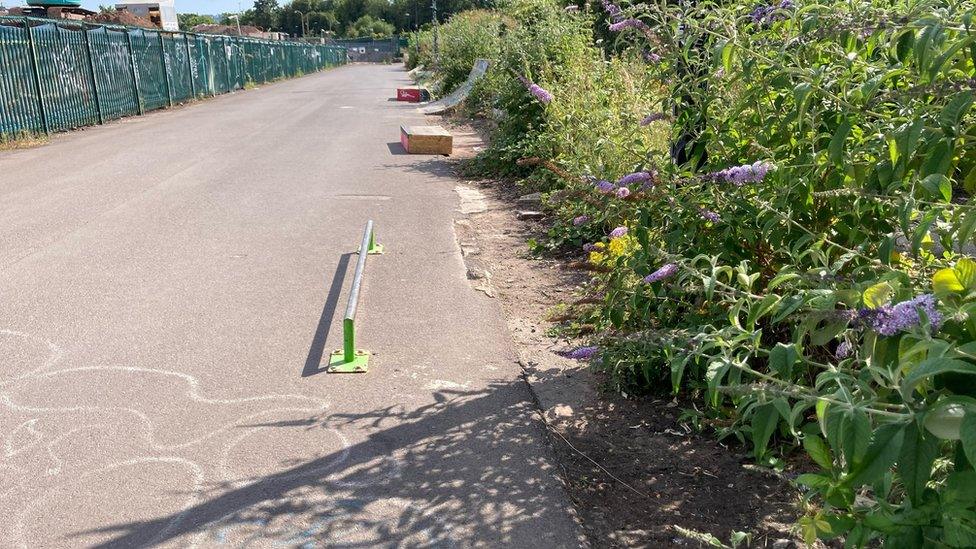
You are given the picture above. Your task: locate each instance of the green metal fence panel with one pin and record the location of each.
(199, 52)
(148, 57)
(65, 77)
(113, 72)
(177, 67)
(20, 112)
(57, 75)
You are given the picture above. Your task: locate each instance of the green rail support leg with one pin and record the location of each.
(348, 360)
(374, 248)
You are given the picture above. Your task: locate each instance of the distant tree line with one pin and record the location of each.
(340, 18)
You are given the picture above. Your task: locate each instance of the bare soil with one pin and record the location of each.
(637, 476)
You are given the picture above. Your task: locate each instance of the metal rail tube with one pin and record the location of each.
(358, 277)
(348, 323)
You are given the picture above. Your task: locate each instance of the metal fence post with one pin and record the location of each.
(162, 55)
(227, 60)
(37, 75)
(135, 74)
(91, 66)
(242, 61)
(189, 65)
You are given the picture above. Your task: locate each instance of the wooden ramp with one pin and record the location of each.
(426, 140)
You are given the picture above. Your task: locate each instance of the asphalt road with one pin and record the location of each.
(169, 285)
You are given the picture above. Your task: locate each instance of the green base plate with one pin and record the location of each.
(375, 250)
(338, 365)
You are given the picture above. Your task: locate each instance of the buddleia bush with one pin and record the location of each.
(801, 256)
(774, 201)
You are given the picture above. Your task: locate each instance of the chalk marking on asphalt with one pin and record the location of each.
(9, 449)
(225, 454)
(149, 427)
(55, 354)
(193, 392)
(395, 466)
(18, 529)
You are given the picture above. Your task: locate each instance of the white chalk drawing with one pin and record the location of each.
(58, 410)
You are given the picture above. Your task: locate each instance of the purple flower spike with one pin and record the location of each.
(583, 353)
(591, 248)
(536, 90)
(628, 24)
(843, 350)
(740, 175)
(605, 187)
(636, 177)
(618, 232)
(664, 272)
(623, 192)
(709, 215)
(580, 219)
(653, 118)
(541, 94)
(891, 319)
(612, 10)
(652, 57)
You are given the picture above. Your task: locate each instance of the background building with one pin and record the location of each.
(162, 13)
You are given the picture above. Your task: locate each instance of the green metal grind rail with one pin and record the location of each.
(349, 360)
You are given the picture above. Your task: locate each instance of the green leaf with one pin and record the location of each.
(727, 56)
(945, 419)
(959, 532)
(763, 425)
(945, 281)
(933, 367)
(812, 480)
(819, 452)
(939, 159)
(836, 148)
(960, 488)
(969, 183)
(781, 360)
(786, 307)
(915, 463)
(880, 456)
(955, 109)
(922, 231)
(716, 371)
(904, 45)
(967, 434)
(857, 433)
(965, 270)
(938, 185)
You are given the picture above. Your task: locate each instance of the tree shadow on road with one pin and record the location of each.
(470, 468)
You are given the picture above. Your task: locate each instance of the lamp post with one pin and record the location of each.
(301, 16)
(237, 18)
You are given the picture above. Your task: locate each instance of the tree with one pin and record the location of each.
(368, 25)
(265, 14)
(190, 20)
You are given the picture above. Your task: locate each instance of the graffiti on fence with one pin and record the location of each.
(57, 75)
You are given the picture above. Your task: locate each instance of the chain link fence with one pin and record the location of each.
(58, 75)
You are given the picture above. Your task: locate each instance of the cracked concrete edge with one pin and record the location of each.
(472, 204)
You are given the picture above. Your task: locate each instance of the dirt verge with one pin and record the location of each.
(637, 476)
